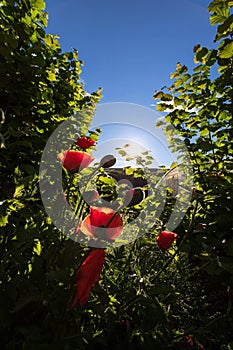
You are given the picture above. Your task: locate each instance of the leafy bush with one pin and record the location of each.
(201, 110)
(147, 297)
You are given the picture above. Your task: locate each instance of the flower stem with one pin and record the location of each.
(81, 201)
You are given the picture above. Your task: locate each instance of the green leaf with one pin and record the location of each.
(37, 247)
(226, 26)
(51, 75)
(186, 77)
(226, 51)
(162, 107)
(106, 180)
(200, 53)
(173, 165)
(204, 132)
(122, 152)
(196, 47)
(220, 7)
(214, 5)
(129, 171)
(215, 19)
(94, 137)
(166, 97)
(158, 95)
(159, 123)
(205, 146)
(4, 219)
(38, 4)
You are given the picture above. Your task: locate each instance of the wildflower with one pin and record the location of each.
(85, 142)
(102, 222)
(165, 239)
(74, 161)
(87, 275)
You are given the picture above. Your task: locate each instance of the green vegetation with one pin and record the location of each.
(146, 298)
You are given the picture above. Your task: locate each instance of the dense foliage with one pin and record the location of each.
(201, 110)
(40, 86)
(147, 297)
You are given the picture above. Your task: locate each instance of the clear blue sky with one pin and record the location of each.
(130, 47)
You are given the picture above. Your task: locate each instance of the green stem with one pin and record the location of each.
(172, 257)
(112, 218)
(81, 201)
(80, 209)
(71, 178)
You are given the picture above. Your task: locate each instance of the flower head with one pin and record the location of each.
(87, 275)
(165, 239)
(108, 161)
(102, 222)
(74, 161)
(85, 142)
(134, 196)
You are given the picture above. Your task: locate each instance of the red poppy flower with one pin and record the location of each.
(74, 161)
(87, 275)
(84, 142)
(165, 239)
(95, 223)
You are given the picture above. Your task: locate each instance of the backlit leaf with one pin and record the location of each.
(226, 51)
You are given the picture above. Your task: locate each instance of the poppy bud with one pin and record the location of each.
(165, 239)
(108, 161)
(85, 142)
(134, 196)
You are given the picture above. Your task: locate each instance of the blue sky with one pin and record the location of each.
(130, 48)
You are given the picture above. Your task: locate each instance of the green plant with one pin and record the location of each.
(40, 87)
(201, 110)
(147, 297)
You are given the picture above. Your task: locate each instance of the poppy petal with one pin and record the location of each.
(100, 218)
(85, 142)
(75, 160)
(87, 275)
